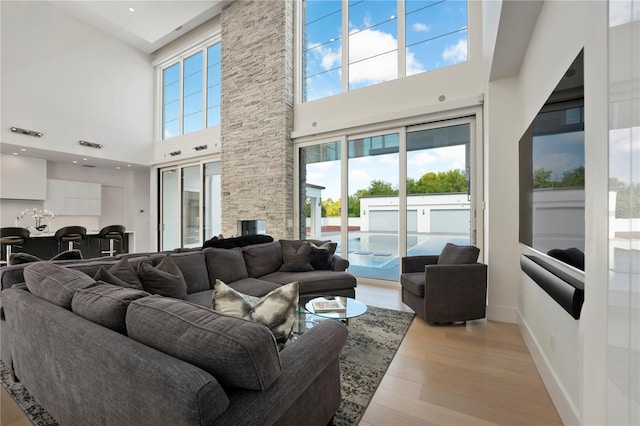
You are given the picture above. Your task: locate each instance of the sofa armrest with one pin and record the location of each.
(311, 372)
(418, 263)
(338, 263)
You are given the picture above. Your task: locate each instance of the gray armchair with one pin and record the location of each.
(451, 287)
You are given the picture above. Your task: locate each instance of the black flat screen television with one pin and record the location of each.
(552, 166)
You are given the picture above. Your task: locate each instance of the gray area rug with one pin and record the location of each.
(373, 341)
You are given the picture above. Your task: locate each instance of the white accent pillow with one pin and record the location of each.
(276, 310)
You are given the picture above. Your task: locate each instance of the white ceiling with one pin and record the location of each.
(151, 25)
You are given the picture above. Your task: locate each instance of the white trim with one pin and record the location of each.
(442, 111)
(181, 53)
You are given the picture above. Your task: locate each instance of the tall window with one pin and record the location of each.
(191, 87)
(384, 40)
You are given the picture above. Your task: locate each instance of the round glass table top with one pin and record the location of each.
(338, 307)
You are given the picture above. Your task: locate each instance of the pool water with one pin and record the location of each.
(375, 256)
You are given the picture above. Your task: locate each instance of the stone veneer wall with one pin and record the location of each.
(257, 115)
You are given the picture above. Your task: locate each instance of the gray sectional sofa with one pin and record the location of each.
(114, 354)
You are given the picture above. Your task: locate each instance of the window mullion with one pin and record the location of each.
(402, 50)
(205, 86)
(345, 46)
(181, 100)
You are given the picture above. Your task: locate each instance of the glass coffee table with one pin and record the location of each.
(340, 308)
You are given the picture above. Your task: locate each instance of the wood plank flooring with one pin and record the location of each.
(478, 374)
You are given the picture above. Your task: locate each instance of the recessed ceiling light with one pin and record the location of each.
(131, 9)
(128, 165)
(15, 153)
(23, 149)
(75, 161)
(84, 159)
(118, 167)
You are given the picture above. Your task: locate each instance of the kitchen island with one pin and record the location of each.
(45, 246)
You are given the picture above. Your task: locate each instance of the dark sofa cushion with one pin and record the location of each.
(237, 352)
(193, 267)
(105, 304)
(225, 264)
(320, 256)
(165, 279)
(296, 260)
(414, 282)
(455, 254)
(54, 283)
(262, 259)
(20, 258)
(244, 240)
(121, 274)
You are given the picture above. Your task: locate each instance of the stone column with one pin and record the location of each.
(257, 115)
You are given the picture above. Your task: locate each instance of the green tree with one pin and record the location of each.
(438, 183)
(330, 208)
(541, 179)
(572, 178)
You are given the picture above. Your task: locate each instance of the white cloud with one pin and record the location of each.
(421, 28)
(456, 53)
(377, 69)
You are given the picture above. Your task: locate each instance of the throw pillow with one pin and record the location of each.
(225, 264)
(21, 258)
(121, 274)
(193, 267)
(55, 283)
(262, 259)
(165, 279)
(276, 310)
(105, 304)
(320, 257)
(454, 254)
(296, 260)
(68, 255)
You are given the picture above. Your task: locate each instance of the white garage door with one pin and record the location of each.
(450, 221)
(383, 221)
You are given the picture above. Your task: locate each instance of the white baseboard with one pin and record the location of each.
(502, 314)
(566, 409)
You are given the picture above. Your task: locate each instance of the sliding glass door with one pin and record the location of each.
(373, 205)
(190, 204)
(438, 191)
(404, 191)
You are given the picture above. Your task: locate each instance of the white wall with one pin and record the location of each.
(556, 341)
(72, 82)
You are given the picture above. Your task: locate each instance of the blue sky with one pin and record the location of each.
(436, 36)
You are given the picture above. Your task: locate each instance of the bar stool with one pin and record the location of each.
(112, 233)
(70, 234)
(12, 236)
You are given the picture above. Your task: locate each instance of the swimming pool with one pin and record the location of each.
(375, 255)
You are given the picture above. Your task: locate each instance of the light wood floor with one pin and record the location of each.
(478, 374)
(475, 374)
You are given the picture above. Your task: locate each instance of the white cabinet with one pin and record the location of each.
(72, 198)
